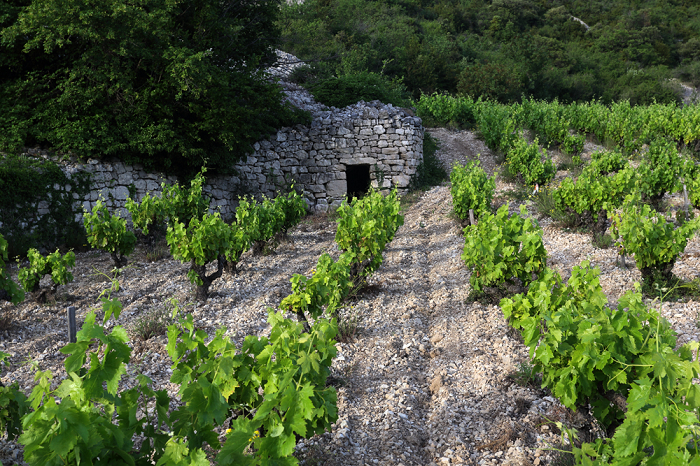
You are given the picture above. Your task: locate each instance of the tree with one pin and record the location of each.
(171, 84)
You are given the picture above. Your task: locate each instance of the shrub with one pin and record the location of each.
(202, 242)
(471, 189)
(349, 89)
(584, 349)
(8, 289)
(175, 204)
(692, 182)
(593, 194)
(261, 221)
(293, 206)
(499, 249)
(653, 241)
(365, 227)
(171, 86)
(108, 232)
(661, 170)
(526, 160)
(323, 292)
(269, 392)
(13, 405)
(605, 162)
(54, 264)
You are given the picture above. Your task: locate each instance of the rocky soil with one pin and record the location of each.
(427, 378)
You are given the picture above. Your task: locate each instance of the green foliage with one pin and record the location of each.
(29, 184)
(293, 206)
(13, 293)
(205, 240)
(175, 204)
(605, 162)
(496, 127)
(174, 85)
(661, 170)
(261, 220)
(295, 400)
(590, 353)
(526, 161)
(692, 181)
(505, 49)
(446, 110)
(500, 249)
(583, 348)
(348, 89)
(13, 405)
(323, 291)
(365, 227)
(472, 189)
(273, 390)
(108, 232)
(654, 242)
(593, 193)
(54, 264)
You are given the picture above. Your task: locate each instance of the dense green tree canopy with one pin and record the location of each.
(169, 83)
(566, 49)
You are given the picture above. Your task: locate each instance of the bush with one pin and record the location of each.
(260, 221)
(661, 170)
(499, 249)
(203, 241)
(293, 206)
(323, 292)
(605, 162)
(54, 264)
(593, 194)
(584, 349)
(172, 86)
(653, 241)
(175, 204)
(8, 289)
(365, 227)
(526, 161)
(471, 189)
(349, 89)
(108, 232)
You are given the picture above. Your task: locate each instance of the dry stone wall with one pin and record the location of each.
(322, 159)
(388, 140)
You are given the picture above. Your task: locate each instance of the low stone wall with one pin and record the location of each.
(387, 139)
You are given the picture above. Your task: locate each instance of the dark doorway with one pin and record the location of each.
(358, 180)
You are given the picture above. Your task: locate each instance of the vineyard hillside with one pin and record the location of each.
(427, 377)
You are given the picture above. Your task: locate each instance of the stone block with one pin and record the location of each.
(336, 188)
(152, 186)
(121, 193)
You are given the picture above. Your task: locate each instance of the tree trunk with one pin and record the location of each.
(258, 248)
(119, 260)
(202, 291)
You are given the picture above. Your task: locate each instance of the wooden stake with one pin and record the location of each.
(471, 217)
